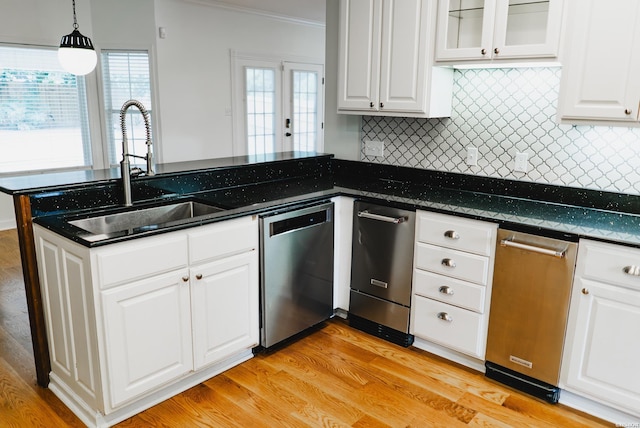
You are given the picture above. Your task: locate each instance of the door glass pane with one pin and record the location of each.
(261, 110)
(465, 24)
(527, 22)
(43, 112)
(305, 110)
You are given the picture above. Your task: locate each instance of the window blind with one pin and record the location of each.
(125, 76)
(43, 112)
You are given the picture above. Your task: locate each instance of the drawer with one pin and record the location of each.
(449, 290)
(461, 330)
(223, 239)
(607, 263)
(462, 234)
(141, 258)
(465, 266)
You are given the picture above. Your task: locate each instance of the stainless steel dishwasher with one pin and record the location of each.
(532, 283)
(296, 271)
(381, 271)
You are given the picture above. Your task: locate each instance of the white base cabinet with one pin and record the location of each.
(602, 346)
(453, 267)
(133, 323)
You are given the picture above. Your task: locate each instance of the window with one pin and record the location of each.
(125, 76)
(43, 113)
(278, 106)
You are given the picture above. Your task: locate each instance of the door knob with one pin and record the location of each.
(199, 276)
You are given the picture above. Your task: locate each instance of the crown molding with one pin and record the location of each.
(259, 12)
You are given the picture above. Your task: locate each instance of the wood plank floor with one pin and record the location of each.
(335, 377)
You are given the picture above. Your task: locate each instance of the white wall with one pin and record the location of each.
(342, 131)
(194, 70)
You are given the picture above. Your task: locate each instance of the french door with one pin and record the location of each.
(278, 106)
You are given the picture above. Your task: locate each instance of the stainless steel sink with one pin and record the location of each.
(145, 218)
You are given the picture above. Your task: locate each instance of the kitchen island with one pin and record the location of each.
(246, 186)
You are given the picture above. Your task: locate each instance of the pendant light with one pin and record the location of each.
(76, 53)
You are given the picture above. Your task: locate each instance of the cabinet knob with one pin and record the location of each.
(631, 270)
(185, 279)
(371, 104)
(483, 51)
(446, 290)
(585, 291)
(448, 263)
(445, 317)
(627, 111)
(199, 276)
(496, 51)
(381, 105)
(451, 234)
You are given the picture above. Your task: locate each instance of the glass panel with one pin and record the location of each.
(261, 110)
(465, 24)
(305, 110)
(527, 22)
(126, 76)
(43, 112)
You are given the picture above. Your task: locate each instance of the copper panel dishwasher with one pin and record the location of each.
(532, 283)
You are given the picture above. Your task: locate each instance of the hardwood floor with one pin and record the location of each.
(335, 377)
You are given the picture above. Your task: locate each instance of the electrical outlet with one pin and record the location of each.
(472, 156)
(374, 148)
(521, 163)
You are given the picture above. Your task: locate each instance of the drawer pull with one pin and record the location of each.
(631, 270)
(446, 290)
(448, 263)
(378, 283)
(445, 317)
(451, 234)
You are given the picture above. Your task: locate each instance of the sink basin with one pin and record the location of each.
(144, 219)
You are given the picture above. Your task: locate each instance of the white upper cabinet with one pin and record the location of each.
(386, 60)
(471, 30)
(602, 63)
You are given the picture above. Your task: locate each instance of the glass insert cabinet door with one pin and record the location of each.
(498, 29)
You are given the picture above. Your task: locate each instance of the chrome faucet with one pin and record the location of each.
(125, 165)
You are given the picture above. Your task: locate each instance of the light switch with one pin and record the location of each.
(374, 148)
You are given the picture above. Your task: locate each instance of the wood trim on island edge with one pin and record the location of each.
(24, 225)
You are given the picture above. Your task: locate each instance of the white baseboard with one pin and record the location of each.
(7, 224)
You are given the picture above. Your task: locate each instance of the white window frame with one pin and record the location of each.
(240, 60)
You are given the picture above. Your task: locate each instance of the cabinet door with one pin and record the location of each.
(600, 74)
(526, 29)
(147, 334)
(359, 67)
(403, 59)
(604, 349)
(465, 29)
(225, 307)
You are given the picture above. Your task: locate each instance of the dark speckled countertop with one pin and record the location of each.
(246, 186)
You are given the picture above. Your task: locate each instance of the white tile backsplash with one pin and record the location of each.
(502, 112)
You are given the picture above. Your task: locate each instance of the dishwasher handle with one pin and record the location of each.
(386, 219)
(509, 242)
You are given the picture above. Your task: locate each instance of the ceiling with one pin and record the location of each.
(307, 10)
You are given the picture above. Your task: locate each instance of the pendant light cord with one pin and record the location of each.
(75, 21)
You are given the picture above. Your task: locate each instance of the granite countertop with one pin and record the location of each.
(281, 188)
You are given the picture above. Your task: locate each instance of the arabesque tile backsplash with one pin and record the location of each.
(504, 111)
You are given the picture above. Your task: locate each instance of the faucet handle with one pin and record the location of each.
(136, 171)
